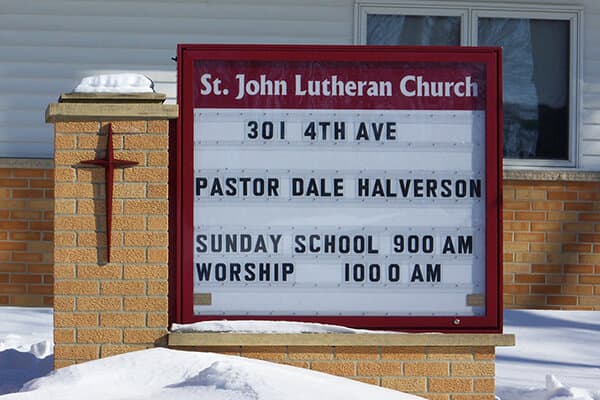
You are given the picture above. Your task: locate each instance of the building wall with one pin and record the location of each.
(47, 47)
(432, 372)
(26, 232)
(551, 244)
(551, 236)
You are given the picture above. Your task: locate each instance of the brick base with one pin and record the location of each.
(551, 250)
(436, 372)
(26, 232)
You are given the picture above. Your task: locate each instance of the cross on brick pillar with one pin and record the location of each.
(109, 163)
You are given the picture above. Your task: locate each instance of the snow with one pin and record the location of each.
(26, 346)
(557, 357)
(115, 83)
(265, 327)
(563, 344)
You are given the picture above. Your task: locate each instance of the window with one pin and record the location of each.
(540, 68)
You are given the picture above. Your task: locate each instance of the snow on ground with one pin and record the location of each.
(560, 344)
(557, 357)
(26, 346)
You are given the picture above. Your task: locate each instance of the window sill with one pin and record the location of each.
(550, 175)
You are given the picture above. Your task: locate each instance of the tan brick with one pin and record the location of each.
(64, 303)
(73, 255)
(129, 127)
(130, 190)
(129, 222)
(158, 223)
(99, 272)
(99, 303)
(77, 127)
(357, 352)
(143, 335)
(64, 271)
(146, 303)
(81, 352)
(485, 385)
(158, 159)
(67, 319)
(64, 206)
(150, 142)
(64, 142)
(157, 288)
(449, 353)
(472, 369)
(310, 353)
(368, 381)
(409, 385)
(268, 353)
(156, 207)
(91, 142)
(474, 397)
(158, 255)
(158, 191)
(372, 368)
(158, 320)
(123, 287)
(128, 255)
(146, 174)
(145, 272)
(426, 369)
(74, 190)
(146, 239)
(339, 368)
(403, 353)
(103, 335)
(64, 239)
(75, 223)
(108, 350)
(64, 335)
(75, 287)
(158, 126)
(450, 385)
(432, 396)
(123, 319)
(63, 363)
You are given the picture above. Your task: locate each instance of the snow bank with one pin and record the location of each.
(115, 83)
(169, 374)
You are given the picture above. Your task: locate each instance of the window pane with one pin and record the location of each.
(413, 30)
(536, 84)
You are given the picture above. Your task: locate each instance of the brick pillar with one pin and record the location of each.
(102, 308)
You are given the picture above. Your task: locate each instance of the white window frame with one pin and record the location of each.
(469, 12)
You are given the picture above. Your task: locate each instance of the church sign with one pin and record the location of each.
(338, 184)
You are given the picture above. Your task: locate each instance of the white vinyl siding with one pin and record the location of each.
(47, 47)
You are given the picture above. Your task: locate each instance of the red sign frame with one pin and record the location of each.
(181, 161)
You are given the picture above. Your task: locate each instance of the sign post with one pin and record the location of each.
(339, 184)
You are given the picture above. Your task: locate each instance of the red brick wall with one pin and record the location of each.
(26, 234)
(552, 244)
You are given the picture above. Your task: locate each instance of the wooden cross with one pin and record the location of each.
(109, 163)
